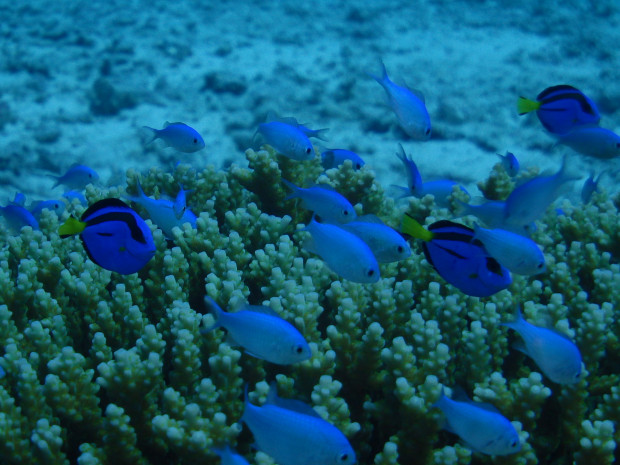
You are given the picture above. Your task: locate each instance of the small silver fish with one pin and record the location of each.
(179, 136)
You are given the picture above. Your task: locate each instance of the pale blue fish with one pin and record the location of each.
(229, 456)
(17, 217)
(316, 133)
(331, 206)
(162, 212)
(344, 253)
(528, 202)
(556, 355)
(70, 195)
(491, 213)
(179, 136)
(510, 163)
(180, 202)
(442, 189)
(292, 433)
(518, 253)
(331, 158)
(590, 186)
(480, 426)
(408, 105)
(77, 177)
(386, 244)
(262, 333)
(593, 141)
(57, 206)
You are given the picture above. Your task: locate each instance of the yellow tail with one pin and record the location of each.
(70, 227)
(415, 229)
(525, 105)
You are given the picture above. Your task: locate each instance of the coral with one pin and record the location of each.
(104, 368)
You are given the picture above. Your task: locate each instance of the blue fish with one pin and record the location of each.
(292, 433)
(386, 244)
(482, 427)
(77, 177)
(179, 136)
(408, 105)
(556, 355)
(262, 333)
(561, 109)
(162, 212)
(344, 253)
(510, 163)
(592, 141)
(459, 258)
(2, 372)
(70, 195)
(492, 213)
(325, 202)
(331, 158)
(287, 139)
(180, 202)
(590, 186)
(114, 236)
(16, 217)
(229, 456)
(57, 206)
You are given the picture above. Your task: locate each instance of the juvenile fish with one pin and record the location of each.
(262, 333)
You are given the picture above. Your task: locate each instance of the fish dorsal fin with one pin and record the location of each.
(459, 394)
(289, 404)
(260, 309)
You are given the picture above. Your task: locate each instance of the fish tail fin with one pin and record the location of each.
(295, 189)
(71, 227)
(56, 178)
(414, 229)
(515, 320)
(384, 78)
(525, 105)
(152, 134)
(216, 311)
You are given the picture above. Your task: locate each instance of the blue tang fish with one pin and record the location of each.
(292, 433)
(262, 333)
(17, 217)
(459, 258)
(561, 109)
(331, 158)
(592, 141)
(77, 177)
(408, 105)
(480, 426)
(229, 456)
(162, 212)
(518, 253)
(325, 202)
(114, 236)
(556, 355)
(386, 244)
(179, 136)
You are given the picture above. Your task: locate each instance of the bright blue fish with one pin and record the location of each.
(510, 163)
(287, 140)
(229, 456)
(19, 199)
(480, 426)
(2, 372)
(561, 109)
(292, 433)
(16, 217)
(556, 355)
(408, 105)
(593, 141)
(262, 333)
(77, 177)
(518, 253)
(331, 158)
(590, 186)
(325, 202)
(344, 253)
(386, 244)
(179, 136)
(162, 212)
(114, 236)
(459, 258)
(180, 202)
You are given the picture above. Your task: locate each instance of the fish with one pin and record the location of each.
(561, 109)
(162, 212)
(288, 137)
(527, 202)
(292, 433)
(229, 456)
(481, 426)
(325, 202)
(179, 136)
(16, 217)
(491, 213)
(261, 332)
(70, 195)
(344, 253)
(115, 237)
(180, 202)
(441, 190)
(592, 141)
(2, 372)
(520, 254)
(458, 257)
(556, 355)
(408, 105)
(510, 163)
(19, 199)
(331, 158)
(77, 177)
(57, 206)
(590, 186)
(386, 244)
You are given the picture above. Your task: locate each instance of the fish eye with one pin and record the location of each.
(345, 212)
(577, 375)
(540, 265)
(357, 166)
(427, 132)
(514, 443)
(298, 349)
(308, 150)
(400, 249)
(195, 141)
(90, 175)
(370, 272)
(343, 457)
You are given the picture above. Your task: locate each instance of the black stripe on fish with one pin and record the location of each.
(576, 96)
(550, 90)
(129, 218)
(101, 204)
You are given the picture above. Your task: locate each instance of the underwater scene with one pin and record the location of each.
(309, 233)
